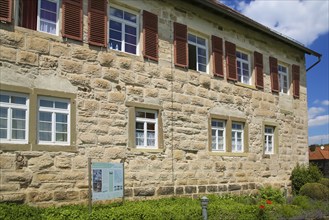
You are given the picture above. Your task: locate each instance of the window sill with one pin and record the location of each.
(246, 85)
(54, 148)
(228, 154)
(148, 150)
(15, 147)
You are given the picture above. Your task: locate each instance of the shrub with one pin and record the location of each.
(272, 194)
(302, 201)
(315, 191)
(302, 174)
(324, 181)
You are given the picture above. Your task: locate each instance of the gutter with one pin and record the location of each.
(217, 7)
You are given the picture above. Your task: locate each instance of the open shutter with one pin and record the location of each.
(72, 19)
(274, 74)
(295, 78)
(180, 44)
(217, 54)
(5, 10)
(150, 30)
(97, 22)
(230, 50)
(28, 14)
(258, 61)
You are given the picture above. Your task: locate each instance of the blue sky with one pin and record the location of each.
(306, 21)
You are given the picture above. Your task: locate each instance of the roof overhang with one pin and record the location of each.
(216, 7)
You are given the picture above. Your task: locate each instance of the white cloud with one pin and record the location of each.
(315, 111)
(318, 120)
(318, 139)
(316, 101)
(325, 102)
(303, 21)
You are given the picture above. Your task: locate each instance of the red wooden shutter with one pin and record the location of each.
(217, 53)
(274, 74)
(230, 50)
(150, 30)
(72, 19)
(5, 10)
(29, 13)
(295, 78)
(258, 61)
(180, 44)
(97, 26)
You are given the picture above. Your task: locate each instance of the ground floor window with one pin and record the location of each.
(237, 137)
(146, 128)
(218, 135)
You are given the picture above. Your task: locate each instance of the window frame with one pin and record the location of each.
(281, 74)
(9, 129)
(236, 131)
(197, 47)
(267, 135)
(145, 122)
(242, 61)
(217, 129)
(53, 112)
(57, 17)
(122, 21)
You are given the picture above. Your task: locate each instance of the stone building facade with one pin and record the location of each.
(192, 96)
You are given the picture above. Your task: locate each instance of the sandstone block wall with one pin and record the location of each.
(105, 81)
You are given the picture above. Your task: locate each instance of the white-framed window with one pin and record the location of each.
(243, 67)
(123, 30)
(283, 78)
(197, 53)
(146, 132)
(218, 134)
(237, 137)
(14, 117)
(53, 121)
(269, 140)
(48, 12)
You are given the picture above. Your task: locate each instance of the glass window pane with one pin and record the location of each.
(115, 35)
(61, 127)
(3, 112)
(201, 41)
(244, 56)
(130, 39)
(213, 132)
(150, 115)
(44, 116)
(140, 125)
(130, 48)
(47, 27)
(140, 114)
(150, 127)
(61, 105)
(46, 103)
(115, 45)
(139, 141)
(18, 100)
(202, 68)
(4, 98)
(44, 126)
(130, 30)
(115, 26)
(116, 12)
(18, 134)
(3, 133)
(19, 113)
(61, 117)
(49, 5)
(213, 123)
(130, 17)
(150, 142)
(45, 136)
(3, 123)
(18, 124)
(61, 137)
(213, 143)
(48, 16)
(202, 60)
(202, 52)
(191, 38)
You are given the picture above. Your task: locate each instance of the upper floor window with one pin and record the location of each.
(283, 78)
(13, 117)
(123, 30)
(218, 135)
(197, 53)
(146, 128)
(269, 140)
(243, 67)
(53, 121)
(237, 137)
(41, 15)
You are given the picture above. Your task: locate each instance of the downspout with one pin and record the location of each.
(314, 64)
